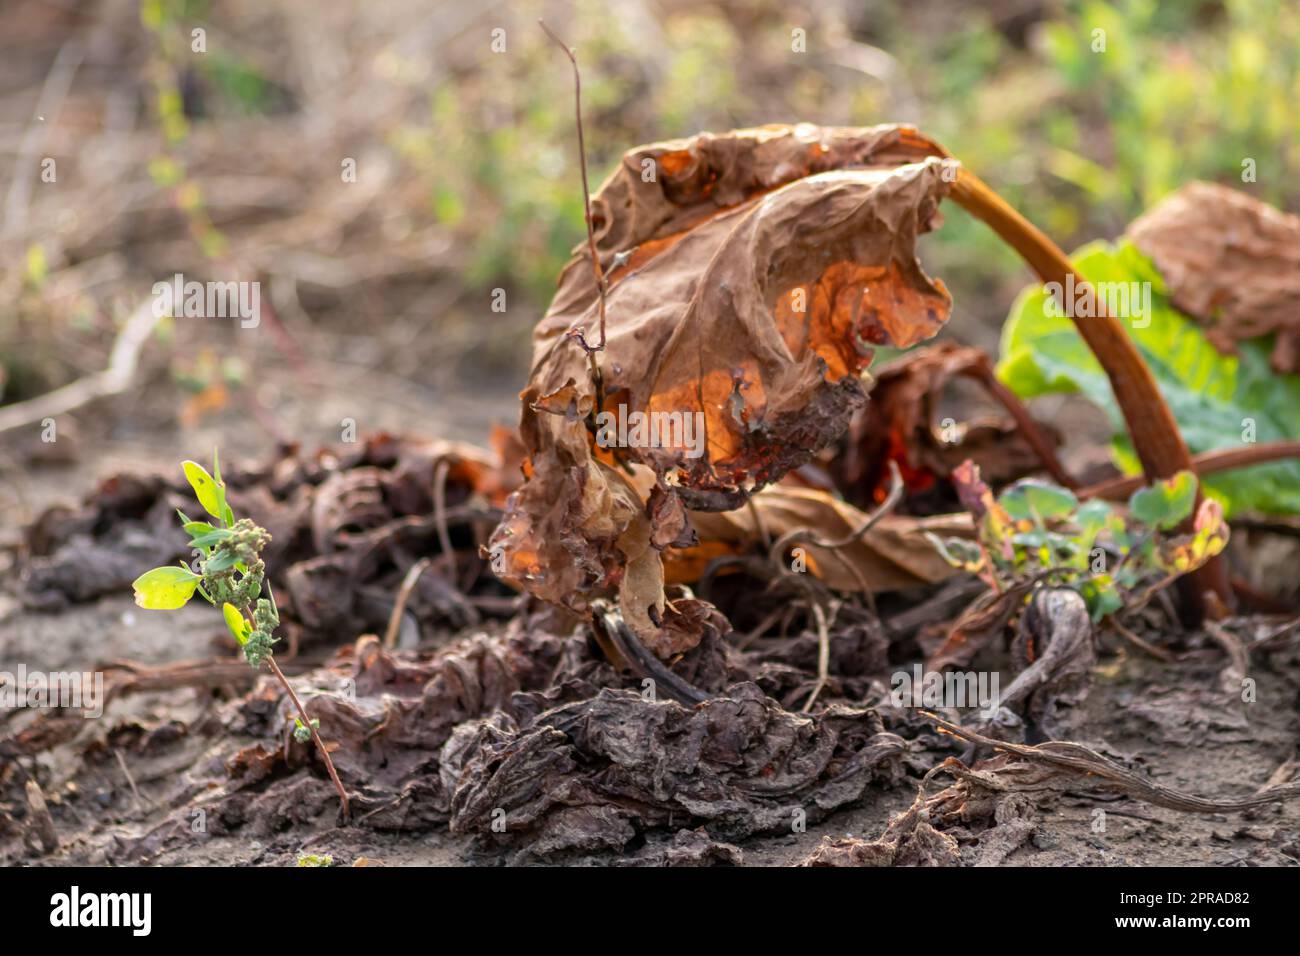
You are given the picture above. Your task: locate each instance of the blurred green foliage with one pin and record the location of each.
(1179, 92)
(1220, 401)
(1082, 134)
(1082, 113)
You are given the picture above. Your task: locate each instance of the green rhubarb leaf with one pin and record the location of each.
(1033, 500)
(1166, 503)
(1220, 401)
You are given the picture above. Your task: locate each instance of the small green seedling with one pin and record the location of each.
(232, 576)
(1035, 530)
(315, 859)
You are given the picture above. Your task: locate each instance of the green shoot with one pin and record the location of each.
(231, 576)
(1035, 529)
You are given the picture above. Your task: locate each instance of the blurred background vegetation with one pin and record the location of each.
(225, 163)
(1082, 141)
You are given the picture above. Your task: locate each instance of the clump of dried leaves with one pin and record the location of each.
(750, 276)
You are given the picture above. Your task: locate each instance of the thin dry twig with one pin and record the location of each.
(403, 595)
(759, 525)
(1275, 639)
(761, 628)
(823, 655)
(40, 826)
(601, 283)
(54, 91)
(1283, 774)
(1102, 771)
(983, 373)
(1153, 649)
(1233, 646)
(440, 516)
(805, 536)
(126, 772)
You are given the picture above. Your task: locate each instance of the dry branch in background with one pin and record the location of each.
(116, 378)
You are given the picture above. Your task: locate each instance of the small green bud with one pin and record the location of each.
(300, 731)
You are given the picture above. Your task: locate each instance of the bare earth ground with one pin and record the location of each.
(1133, 712)
(1167, 720)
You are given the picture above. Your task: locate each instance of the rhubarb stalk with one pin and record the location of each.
(1151, 425)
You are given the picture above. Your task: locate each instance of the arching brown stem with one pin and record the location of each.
(1209, 463)
(1151, 425)
(983, 373)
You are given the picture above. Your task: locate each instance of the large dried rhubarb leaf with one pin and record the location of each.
(750, 275)
(1231, 262)
(758, 278)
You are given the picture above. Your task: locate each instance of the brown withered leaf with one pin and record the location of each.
(899, 424)
(977, 821)
(909, 840)
(893, 555)
(979, 625)
(750, 275)
(1231, 262)
(591, 774)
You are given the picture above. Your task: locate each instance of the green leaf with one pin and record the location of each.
(301, 732)
(227, 515)
(1166, 503)
(220, 562)
(236, 623)
(1214, 397)
(214, 536)
(956, 551)
(194, 528)
(1032, 498)
(1093, 517)
(205, 488)
(1101, 596)
(1045, 539)
(165, 589)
